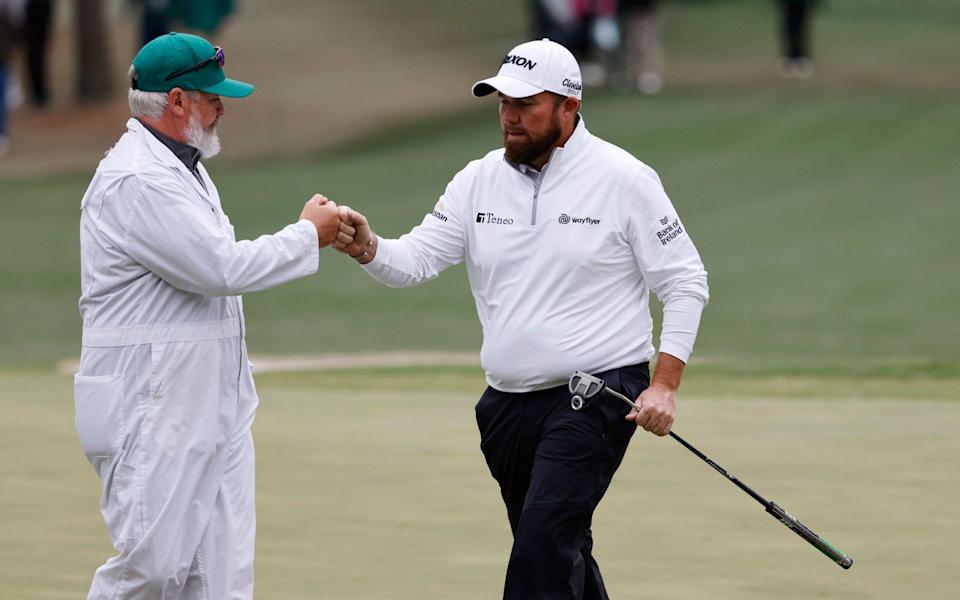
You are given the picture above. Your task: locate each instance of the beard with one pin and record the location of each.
(533, 147)
(205, 140)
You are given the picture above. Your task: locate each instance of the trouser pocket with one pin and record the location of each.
(98, 403)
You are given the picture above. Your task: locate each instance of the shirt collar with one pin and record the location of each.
(187, 154)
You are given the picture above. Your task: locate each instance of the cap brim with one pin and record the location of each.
(230, 88)
(508, 86)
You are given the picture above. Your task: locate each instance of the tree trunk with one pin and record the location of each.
(93, 53)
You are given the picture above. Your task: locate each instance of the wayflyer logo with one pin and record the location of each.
(566, 219)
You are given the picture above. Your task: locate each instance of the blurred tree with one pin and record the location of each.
(93, 53)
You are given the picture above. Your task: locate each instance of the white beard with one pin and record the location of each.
(206, 141)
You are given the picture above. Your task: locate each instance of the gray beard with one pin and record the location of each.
(207, 142)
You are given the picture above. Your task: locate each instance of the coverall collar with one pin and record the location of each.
(187, 154)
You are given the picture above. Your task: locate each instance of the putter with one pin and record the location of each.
(584, 386)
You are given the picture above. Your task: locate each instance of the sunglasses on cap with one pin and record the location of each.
(216, 58)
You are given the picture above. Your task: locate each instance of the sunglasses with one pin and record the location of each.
(216, 58)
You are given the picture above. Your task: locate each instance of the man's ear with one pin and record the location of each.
(571, 106)
(177, 101)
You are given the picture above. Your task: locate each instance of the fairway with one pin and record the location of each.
(369, 487)
(826, 373)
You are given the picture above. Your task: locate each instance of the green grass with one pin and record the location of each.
(824, 211)
(863, 33)
(826, 373)
(371, 485)
(824, 217)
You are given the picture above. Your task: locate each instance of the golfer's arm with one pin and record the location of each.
(669, 263)
(681, 321)
(418, 256)
(668, 371)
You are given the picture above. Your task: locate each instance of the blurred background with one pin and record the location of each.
(812, 147)
(820, 189)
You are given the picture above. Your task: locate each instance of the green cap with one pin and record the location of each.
(186, 61)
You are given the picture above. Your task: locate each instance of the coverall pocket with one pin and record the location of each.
(98, 401)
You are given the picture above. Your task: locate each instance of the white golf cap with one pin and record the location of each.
(534, 67)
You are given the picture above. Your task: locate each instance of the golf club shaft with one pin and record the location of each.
(699, 454)
(772, 508)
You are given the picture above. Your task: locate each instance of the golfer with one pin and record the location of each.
(564, 236)
(164, 395)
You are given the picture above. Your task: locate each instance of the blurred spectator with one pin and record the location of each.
(588, 28)
(556, 19)
(154, 22)
(643, 57)
(11, 15)
(36, 37)
(161, 16)
(795, 37)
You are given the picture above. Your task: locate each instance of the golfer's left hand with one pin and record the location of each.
(657, 408)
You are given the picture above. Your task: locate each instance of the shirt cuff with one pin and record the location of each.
(681, 320)
(312, 239)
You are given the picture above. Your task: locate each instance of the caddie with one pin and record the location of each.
(564, 236)
(164, 395)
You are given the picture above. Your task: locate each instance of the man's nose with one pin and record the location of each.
(509, 114)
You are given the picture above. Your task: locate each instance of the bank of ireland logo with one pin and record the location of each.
(670, 232)
(564, 219)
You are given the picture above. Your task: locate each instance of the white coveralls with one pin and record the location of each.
(164, 395)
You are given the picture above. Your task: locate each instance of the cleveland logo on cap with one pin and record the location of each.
(520, 61)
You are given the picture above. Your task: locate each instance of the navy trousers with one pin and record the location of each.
(553, 465)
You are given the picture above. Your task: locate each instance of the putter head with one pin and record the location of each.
(583, 387)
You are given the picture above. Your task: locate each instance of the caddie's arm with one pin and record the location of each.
(183, 242)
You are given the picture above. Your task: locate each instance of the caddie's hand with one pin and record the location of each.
(356, 239)
(325, 216)
(657, 406)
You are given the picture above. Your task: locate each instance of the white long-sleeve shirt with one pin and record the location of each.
(560, 263)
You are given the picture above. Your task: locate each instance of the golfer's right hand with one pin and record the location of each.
(325, 217)
(355, 237)
(657, 409)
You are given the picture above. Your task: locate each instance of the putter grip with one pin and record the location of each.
(806, 533)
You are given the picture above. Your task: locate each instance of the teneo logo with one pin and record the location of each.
(486, 217)
(671, 231)
(565, 218)
(520, 61)
(438, 215)
(572, 84)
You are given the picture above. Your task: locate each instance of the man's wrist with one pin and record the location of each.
(668, 372)
(368, 252)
